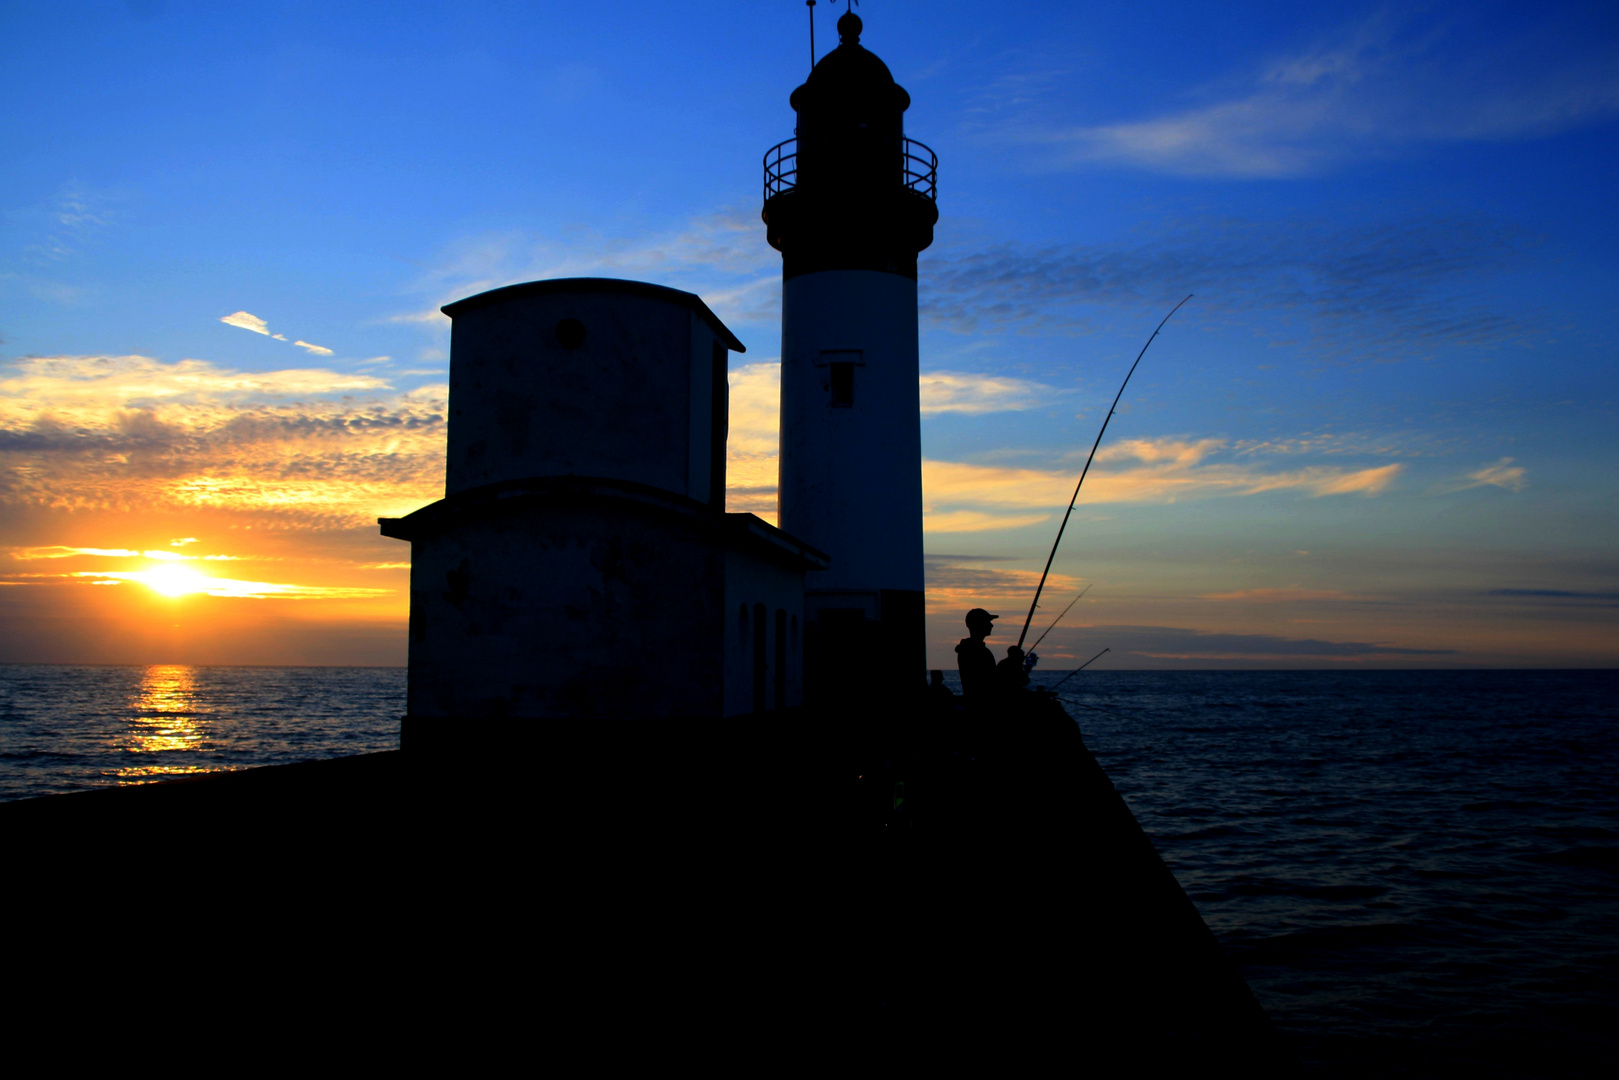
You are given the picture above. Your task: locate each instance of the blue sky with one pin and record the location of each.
(1382, 433)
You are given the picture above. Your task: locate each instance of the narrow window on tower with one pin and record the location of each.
(842, 383)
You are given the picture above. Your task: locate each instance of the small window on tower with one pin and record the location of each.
(842, 381)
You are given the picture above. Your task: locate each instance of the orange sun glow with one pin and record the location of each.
(173, 580)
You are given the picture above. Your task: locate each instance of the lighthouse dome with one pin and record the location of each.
(851, 74)
(849, 189)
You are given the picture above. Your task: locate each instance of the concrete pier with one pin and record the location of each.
(960, 886)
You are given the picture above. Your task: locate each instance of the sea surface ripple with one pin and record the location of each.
(1416, 871)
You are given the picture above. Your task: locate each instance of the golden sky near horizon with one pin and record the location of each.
(147, 502)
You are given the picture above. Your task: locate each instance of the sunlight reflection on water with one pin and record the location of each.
(164, 720)
(69, 728)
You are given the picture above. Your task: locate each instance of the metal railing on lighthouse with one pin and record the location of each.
(918, 168)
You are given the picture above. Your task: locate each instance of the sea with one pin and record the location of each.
(1416, 871)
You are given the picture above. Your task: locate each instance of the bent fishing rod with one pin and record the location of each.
(1083, 473)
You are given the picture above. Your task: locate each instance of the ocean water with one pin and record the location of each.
(72, 728)
(1417, 872)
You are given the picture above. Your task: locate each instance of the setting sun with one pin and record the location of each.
(174, 580)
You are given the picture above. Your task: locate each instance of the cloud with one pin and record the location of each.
(1552, 594)
(964, 496)
(751, 447)
(247, 322)
(1171, 643)
(61, 386)
(71, 218)
(1381, 85)
(951, 583)
(1503, 474)
(1384, 291)
(245, 590)
(134, 433)
(721, 257)
(59, 551)
(974, 394)
(958, 521)
(755, 419)
(1280, 596)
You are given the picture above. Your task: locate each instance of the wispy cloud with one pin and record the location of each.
(1503, 474)
(244, 590)
(963, 496)
(720, 257)
(1173, 643)
(973, 497)
(1553, 594)
(1384, 291)
(69, 220)
(60, 386)
(84, 433)
(751, 448)
(755, 418)
(1384, 83)
(953, 580)
(972, 393)
(61, 551)
(248, 321)
(1293, 595)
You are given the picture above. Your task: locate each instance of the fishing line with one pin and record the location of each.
(1058, 619)
(1053, 687)
(1098, 708)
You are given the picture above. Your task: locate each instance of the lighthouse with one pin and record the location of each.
(850, 202)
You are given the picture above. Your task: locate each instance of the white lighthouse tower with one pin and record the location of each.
(849, 203)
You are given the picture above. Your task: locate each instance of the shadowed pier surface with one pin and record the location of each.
(955, 885)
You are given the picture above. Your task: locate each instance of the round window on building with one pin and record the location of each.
(570, 333)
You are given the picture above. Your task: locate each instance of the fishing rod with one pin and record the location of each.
(1087, 469)
(1053, 687)
(1058, 619)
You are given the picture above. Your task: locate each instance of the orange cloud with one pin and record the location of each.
(751, 449)
(132, 433)
(960, 496)
(183, 581)
(1279, 596)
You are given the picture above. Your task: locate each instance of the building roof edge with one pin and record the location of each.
(599, 285)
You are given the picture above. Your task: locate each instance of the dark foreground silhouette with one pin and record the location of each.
(936, 884)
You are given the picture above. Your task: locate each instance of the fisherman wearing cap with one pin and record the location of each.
(974, 660)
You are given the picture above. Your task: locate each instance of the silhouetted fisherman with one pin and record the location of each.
(937, 690)
(974, 660)
(1012, 674)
